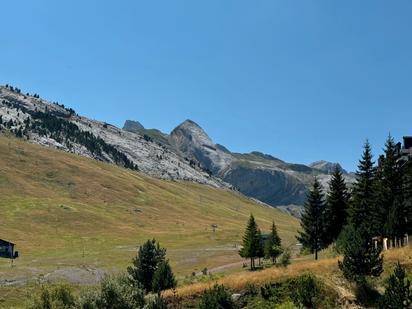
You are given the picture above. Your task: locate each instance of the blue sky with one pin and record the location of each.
(301, 80)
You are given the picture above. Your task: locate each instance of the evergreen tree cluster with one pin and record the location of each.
(254, 246)
(324, 216)
(379, 204)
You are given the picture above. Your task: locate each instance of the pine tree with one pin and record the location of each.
(391, 197)
(251, 242)
(362, 206)
(407, 192)
(261, 249)
(398, 294)
(163, 278)
(391, 212)
(360, 258)
(145, 264)
(337, 201)
(273, 244)
(312, 222)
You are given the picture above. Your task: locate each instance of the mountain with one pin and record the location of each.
(187, 153)
(54, 125)
(326, 167)
(133, 126)
(255, 174)
(192, 142)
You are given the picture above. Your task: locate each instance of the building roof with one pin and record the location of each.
(5, 242)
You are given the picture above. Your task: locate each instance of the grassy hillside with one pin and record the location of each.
(69, 214)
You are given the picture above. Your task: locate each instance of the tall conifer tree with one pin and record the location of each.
(391, 208)
(362, 206)
(251, 242)
(273, 245)
(336, 206)
(407, 190)
(312, 221)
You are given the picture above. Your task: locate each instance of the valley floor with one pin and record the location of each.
(75, 219)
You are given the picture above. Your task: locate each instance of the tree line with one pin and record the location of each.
(359, 219)
(379, 204)
(255, 246)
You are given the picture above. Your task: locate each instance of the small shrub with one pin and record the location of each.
(306, 291)
(54, 297)
(398, 293)
(285, 258)
(216, 298)
(119, 292)
(288, 305)
(156, 302)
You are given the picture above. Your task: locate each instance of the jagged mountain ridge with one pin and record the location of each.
(255, 174)
(56, 126)
(187, 153)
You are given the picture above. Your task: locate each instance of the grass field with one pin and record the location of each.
(72, 217)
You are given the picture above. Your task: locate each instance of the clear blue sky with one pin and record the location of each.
(301, 80)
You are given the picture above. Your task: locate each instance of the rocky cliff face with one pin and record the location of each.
(190, 141)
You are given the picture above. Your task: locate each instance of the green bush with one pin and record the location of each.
(54, 297)
(306, 291)
(118, 292)
(366, 294)
(398, 293)
(285, 258)
(288, 305)
(156, 302)
(216, 298)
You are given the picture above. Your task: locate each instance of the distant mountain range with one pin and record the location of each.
(187, 153)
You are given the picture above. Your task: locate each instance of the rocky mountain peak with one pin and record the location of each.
(192, 142)
(190, 131)
(132, 126)
(326, 166)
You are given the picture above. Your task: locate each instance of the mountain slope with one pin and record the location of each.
(187, 153)
(68, 214)
(54, 125)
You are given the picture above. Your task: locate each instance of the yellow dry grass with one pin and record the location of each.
(63, 210)
(325, 268)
